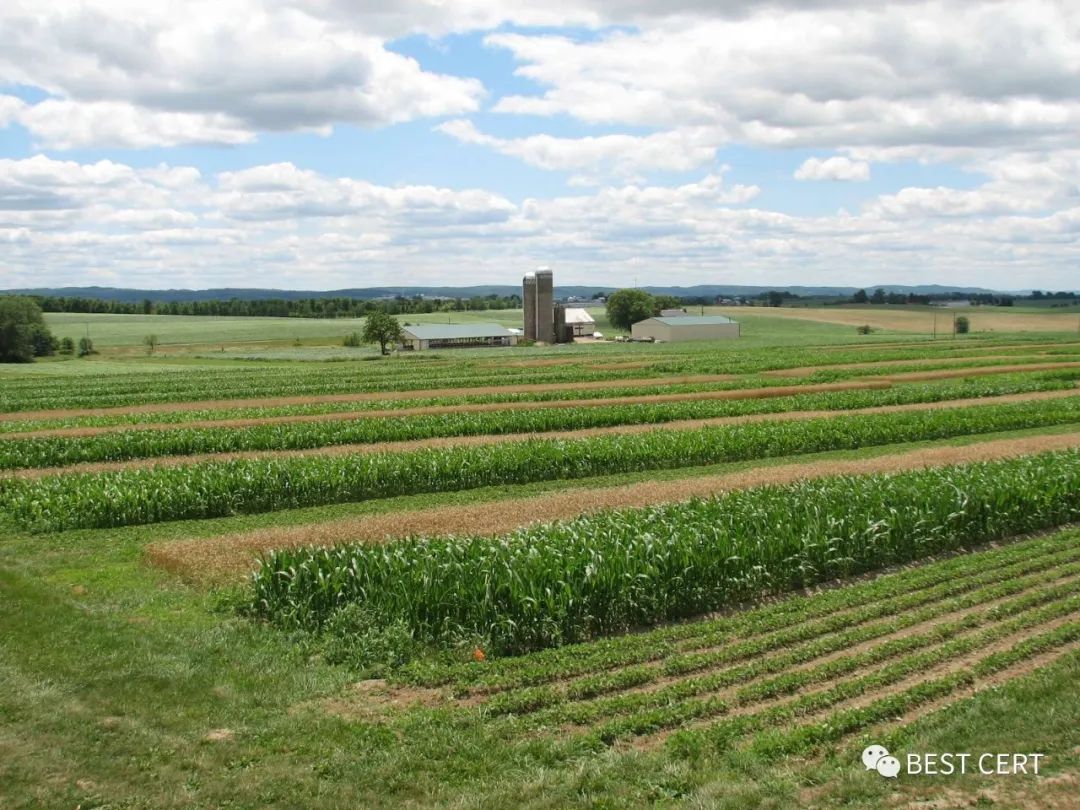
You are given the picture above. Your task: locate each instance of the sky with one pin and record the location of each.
(326, 144)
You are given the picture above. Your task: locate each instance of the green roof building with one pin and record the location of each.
(455, 335)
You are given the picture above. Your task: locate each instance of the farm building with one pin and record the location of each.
(580, 321)
(672, 313)
(455, 335)
(686, 327)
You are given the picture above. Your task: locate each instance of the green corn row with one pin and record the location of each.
(214, 489)
(456, 371)
(605, 573)
(126, 445)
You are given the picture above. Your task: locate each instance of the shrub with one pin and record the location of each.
(962, 325)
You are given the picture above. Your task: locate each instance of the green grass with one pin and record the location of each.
(109, 692)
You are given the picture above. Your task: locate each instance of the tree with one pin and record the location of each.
(775, 298)
(860, 297)
(383, 329)
(150, 341)
(662, 302)
(23, 333)
(878, 297)
(627, 307)
(961, 325)
(67, 346)
(86, 346)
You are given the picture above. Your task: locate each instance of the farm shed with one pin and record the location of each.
(580, 321)
(455, 335)
(686, 327)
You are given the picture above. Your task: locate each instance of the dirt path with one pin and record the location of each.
(488, 439)
(229, 556)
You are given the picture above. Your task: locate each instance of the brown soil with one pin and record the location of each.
(488, 439)
(230, 556)
(308, 399)
(727, 394)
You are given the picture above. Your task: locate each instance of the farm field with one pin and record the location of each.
(599, 575)
(921, 319)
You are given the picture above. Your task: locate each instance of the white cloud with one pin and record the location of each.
(834, 168)
(143, 74)
(71, 223)
(623, 155)
(895, 74)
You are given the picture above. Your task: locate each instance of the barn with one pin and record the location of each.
(580, 321)
(685, 327)
(455, 336)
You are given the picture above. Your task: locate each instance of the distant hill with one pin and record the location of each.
(367, 293)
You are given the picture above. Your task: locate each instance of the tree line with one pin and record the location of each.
(277, 307)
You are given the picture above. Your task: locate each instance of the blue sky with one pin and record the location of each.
(326, 144)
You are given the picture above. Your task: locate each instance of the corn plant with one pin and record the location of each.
(607, 572)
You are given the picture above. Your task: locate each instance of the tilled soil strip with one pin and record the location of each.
(233, 555)
(487, 407)
(489, 439)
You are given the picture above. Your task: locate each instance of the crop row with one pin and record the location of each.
(764, 660)
(793, 620)
(952, 388)
(916, 654)
(125, 445)
(434, 371)
(219, 488)
(799, 643)
(777, 731)
(612, 571)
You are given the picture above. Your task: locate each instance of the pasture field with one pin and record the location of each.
(291, 339)
(703, 575)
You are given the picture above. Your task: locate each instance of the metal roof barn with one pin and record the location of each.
(686, 327)
(455, 335)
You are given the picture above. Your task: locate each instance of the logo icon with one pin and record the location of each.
(877, 758)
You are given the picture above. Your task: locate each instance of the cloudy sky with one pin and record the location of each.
(319, 144)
